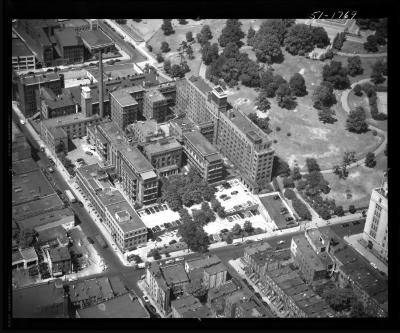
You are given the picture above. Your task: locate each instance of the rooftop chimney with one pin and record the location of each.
(101, 85)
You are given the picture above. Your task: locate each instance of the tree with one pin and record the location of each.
(165, 47)
(215, 204)
(339, 211)
(352, 209)
(189, 52)
(338, 41)
(159, 58)
(298, 85)
(221, 212)
(339, 299)
(358, 311)
(60, 147)
(325, 115)
(182, 21)
(189, 36)
(354, 66)
(371, 45)
(288, 182)
(204, 35)
(320, 37)
(266, 79)
(167, 66)
(156, 254)
(248, 227)
(280, 167)
(229, 238)
(193, 235)
(377, 73)
(262, 102)
(236, 229)
(349, 157)
(356, 121)
(335, 74)
(323, 96)
(232, 32)
(296, 175)
(370, 161)
(166, 27)
(268, 49)
(176, 71)
(299, 39)
(209, 52)
(284, 96)
(312, 164)
(250, 36)
(357, 90)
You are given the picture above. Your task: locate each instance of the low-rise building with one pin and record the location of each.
(69, 45)
(202, 262)
(125, 306)
(53, 237)
(22, 58)
(53, 105)
(165, 155)
(216, 297)
(41, 301)
(96, 41)
(184, 304)
(62, 217)
(59, 260)
(203, 156)
(24, 258)
(90, 292)
(248, 308)
(312, 264)
(146, 131)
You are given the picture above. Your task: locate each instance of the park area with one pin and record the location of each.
(358, 48)
(302, 135)
(359, 183)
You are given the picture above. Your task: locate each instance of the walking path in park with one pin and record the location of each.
(362, 55)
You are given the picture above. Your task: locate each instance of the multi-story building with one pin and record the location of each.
(186, 306)
(165, 155)
(310, 253)
(234, 134)
(22, 58)
(138, 178)
(69, 45)
(71, 126)
(59, 260)
(124, 107)
(248, 308)
(216, 297)
(146, 131)
(96, 41)
(90, 292)
(376, 225)
(155, 105)
(294, 297)
(53, 105)
(180, 126)
(215, 276)
(247, 146)
(203, 156)
(28, 88)
(121, 220)
(24, 258)
(232, 300)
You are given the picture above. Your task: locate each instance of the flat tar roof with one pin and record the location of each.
(67, 37)
(200, 84)
(133, 223)
(96, 38)
(19, 49)
(162, 145)
(201, 143)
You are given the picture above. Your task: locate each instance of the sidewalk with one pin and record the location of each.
(142, 286)
(354, 241)
(235, 264)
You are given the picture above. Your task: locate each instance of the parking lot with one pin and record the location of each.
(278, 210)
(83, 151)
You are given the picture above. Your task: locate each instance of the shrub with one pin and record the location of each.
(290, 194)
(352, 209)
(289, 134)
(357, 90)
(275, 141)
(278, 129)
(374, 133)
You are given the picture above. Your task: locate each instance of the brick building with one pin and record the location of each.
(69, 45)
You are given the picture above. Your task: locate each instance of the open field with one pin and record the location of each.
(361, 181)
(358, 48)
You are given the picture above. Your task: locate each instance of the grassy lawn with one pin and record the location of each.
(366, 63)
(358, 48)
(361, 181)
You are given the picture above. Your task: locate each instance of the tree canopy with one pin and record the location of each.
(231, 33)
(354, 66)
(166, 27)
(335, 74)
(323, 96)
(356, 121)
(298, 85)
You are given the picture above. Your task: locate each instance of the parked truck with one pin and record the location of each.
(70, 196)
(101, 241)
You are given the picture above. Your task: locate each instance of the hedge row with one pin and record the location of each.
(371, 90)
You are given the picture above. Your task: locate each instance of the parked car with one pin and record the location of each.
(276, 197)
(146, 299)
(88, 153)
(172, 242)
(224, 230)
(234, 192)
(90, 240)
(281, 242)
(289, 218)
(356, 222)
(222, 196)
(158, 239)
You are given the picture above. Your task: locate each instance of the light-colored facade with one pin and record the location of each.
(376, 225)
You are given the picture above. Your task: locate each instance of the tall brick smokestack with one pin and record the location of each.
(101, 109)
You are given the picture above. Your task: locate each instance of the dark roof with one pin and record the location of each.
(174, 274)
(67, 37)
(117, 285)
(125, 306)
(46, 218)
(24, 166)
(95, 38)
(41, 301)
(19, 49)
(200, 84)
(59, 254)
(199, 141)
(39, 78)
(186, 303)
(308, 253)
(222, 291)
